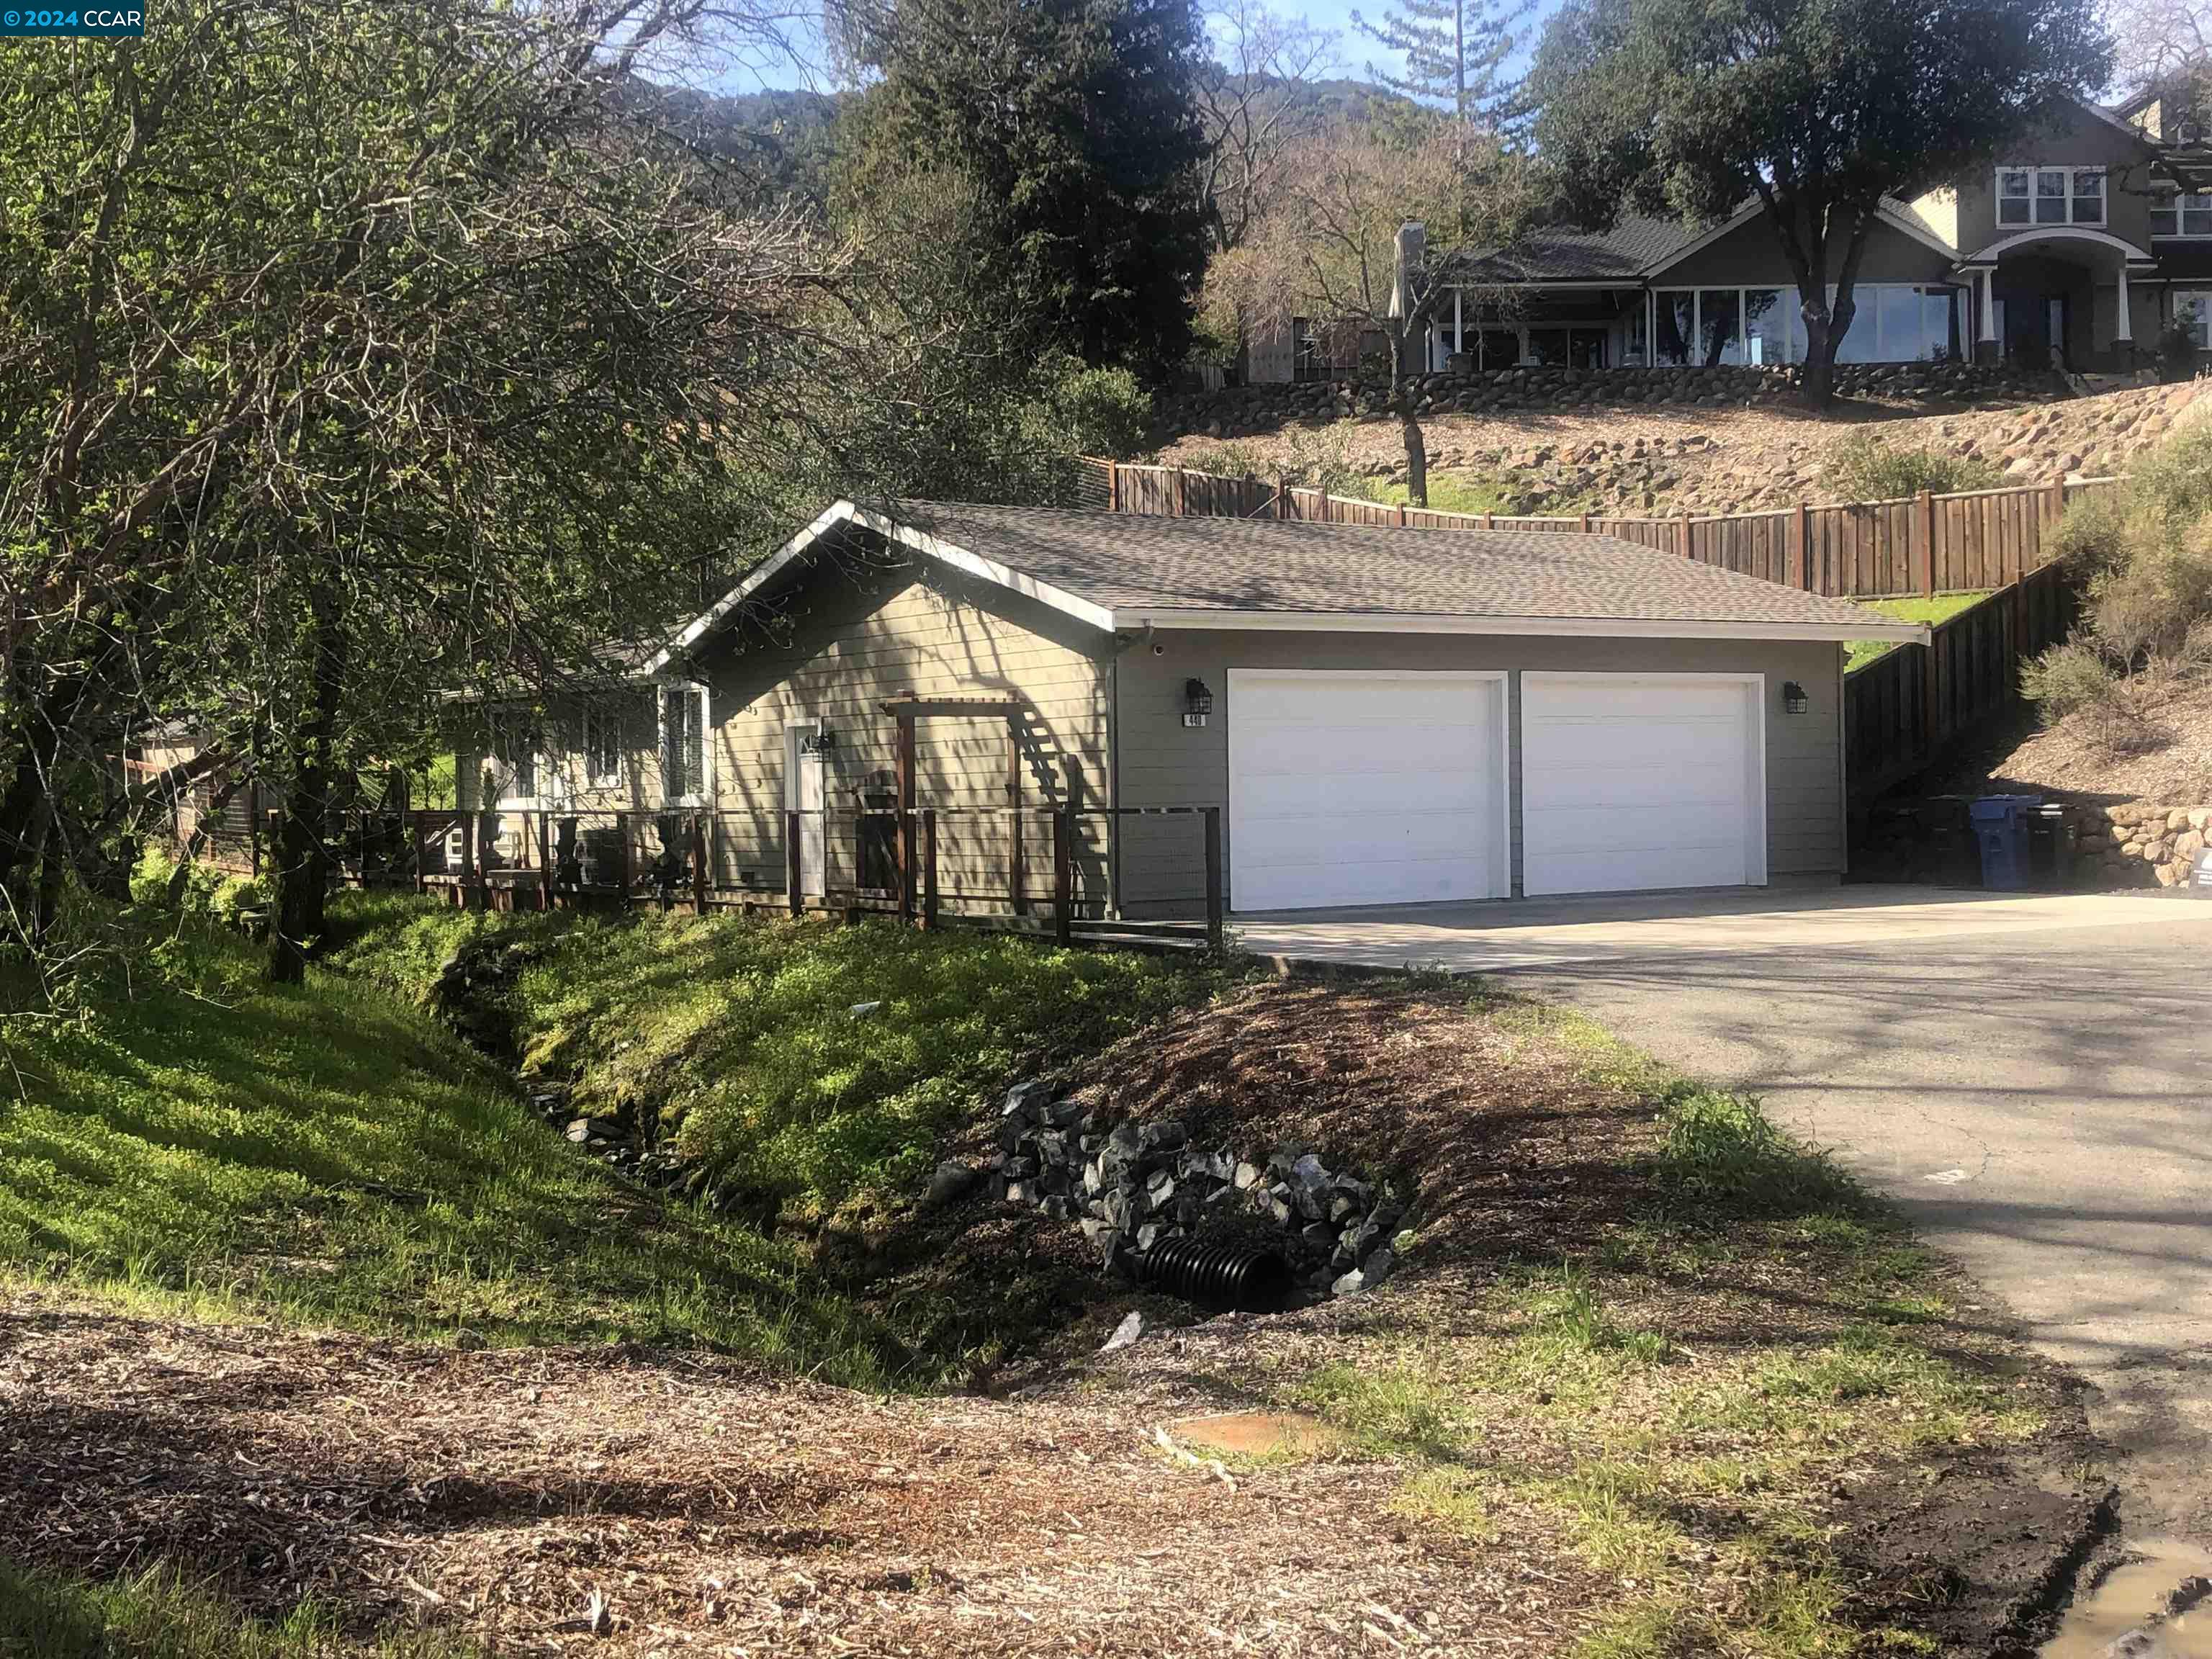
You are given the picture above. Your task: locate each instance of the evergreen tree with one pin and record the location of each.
(1078, 120)
(1455, 51)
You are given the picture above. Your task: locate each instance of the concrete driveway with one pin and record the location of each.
(2030, 1077)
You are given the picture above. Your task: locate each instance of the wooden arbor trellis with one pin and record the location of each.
(910, 709)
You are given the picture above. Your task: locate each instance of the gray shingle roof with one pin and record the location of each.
(1565, 254)
(1129, 564)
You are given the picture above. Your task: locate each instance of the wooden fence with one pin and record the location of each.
(1901, 709)
(874, 860)
(1915, 545)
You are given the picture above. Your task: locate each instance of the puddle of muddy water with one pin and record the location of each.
(1255, 1434)
(2129, 1598)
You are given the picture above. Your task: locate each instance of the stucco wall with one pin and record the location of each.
(867, 637)
(1166, 764)
(2072, 138)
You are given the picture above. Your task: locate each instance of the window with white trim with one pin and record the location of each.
(602, 747)
(2192, 309)
(2176, 213)
(2051, 196)
(684, 781)
(515, 760)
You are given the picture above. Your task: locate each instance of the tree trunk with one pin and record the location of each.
(303, 859)
(1819, 386)
(1401, 397)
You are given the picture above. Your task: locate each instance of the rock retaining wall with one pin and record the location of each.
(1237, 411)
(2142, 846)
(1132, 1185)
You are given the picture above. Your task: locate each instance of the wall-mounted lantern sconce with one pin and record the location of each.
(817, 743)
(1197, 702)
(1794, 700)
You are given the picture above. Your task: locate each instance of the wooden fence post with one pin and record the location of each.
(1179, 494)
(1923, 514)
(909, 873)
(1490, 521)
(1800, 570)
(1402, 515)
(621, 858)
(544, 860)
(468, 871)
(928, 868)
(795, 874)
(1113, 486)
(700, 824)
(1282, 499)
(1214, 929)
(1063, 874)
(1685, 534)
(1585, 524)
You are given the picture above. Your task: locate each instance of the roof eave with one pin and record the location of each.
(1408, 621)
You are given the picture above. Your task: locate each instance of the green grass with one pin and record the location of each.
(328, 1156)
(1459, 492)
(743, 1034)
(1941, 608)
(156, 1615)
(1681, 1470)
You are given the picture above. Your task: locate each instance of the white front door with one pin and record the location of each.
(805, 792)
(1365, 788)
(1641, 780)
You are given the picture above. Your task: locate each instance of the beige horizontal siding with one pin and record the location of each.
(884, 634)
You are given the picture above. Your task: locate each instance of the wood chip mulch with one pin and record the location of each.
(626, 1502)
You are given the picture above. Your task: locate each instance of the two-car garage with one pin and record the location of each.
(1350, 787)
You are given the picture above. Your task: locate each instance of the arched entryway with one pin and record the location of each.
(2065, 296)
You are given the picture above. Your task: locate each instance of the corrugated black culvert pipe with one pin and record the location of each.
(1215, 1276)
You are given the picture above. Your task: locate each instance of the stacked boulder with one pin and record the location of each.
(1135, 1186)
(1234, 411)
(2139, 844)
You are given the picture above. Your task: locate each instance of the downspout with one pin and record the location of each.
(1113, 786)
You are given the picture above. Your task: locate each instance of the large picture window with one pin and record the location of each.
(1895, 323)
(2051, 196)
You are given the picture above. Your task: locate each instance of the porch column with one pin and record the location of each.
(1651, 328)
(1459, 322)
(2125, 333)
(1985, 329)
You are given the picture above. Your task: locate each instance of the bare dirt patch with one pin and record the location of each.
(2073, 758)
(1578, 1411)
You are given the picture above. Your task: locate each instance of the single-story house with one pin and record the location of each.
(1381, 716)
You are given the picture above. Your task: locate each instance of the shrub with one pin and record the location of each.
(1223, 461)
(1864, 468)
(2177, 353)
(2065, 679)
(2171, 486)
(220, 896)
(2092, 538)
(1324, 461)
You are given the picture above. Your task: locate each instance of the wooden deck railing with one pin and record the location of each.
(1913, 544)
(1903, 709)
(870, 860)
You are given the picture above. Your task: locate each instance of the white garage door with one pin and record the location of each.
(1635, 781)
(1364, 788)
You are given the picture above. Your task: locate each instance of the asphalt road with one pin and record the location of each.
(2039, 1103)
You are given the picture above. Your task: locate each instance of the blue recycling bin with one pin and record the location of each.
(2001, 828)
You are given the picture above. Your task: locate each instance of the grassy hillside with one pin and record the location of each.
(804, 1064)
(330, 1156)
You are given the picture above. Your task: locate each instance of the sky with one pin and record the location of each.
(1357, 56)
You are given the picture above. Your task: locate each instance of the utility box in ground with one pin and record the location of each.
(2052, 837)
(2001, 828)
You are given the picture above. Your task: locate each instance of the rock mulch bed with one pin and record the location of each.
(1135, 1186)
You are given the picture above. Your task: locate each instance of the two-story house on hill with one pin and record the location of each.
(2076, 248)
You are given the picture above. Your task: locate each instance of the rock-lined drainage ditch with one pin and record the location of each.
(1209, 1224)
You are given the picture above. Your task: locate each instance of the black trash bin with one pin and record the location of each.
(2052, 838)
